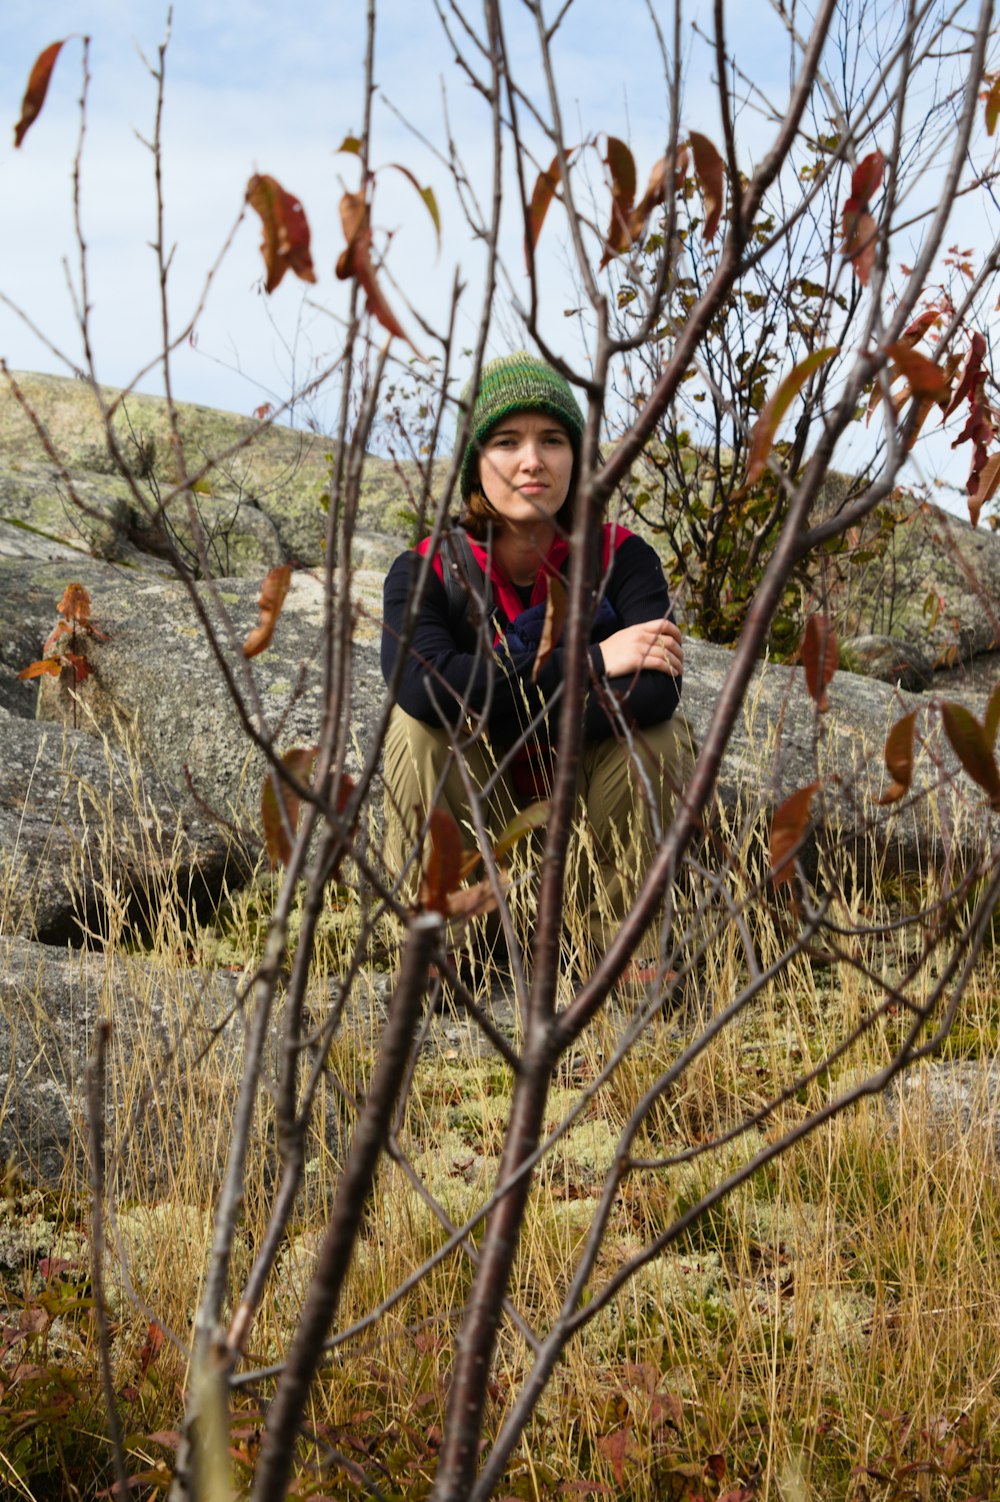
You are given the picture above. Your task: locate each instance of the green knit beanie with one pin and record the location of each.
(516, 383)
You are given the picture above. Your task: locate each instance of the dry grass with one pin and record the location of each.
(831, 1329)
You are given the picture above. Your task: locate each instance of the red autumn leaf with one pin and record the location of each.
(618, 1446)
(285, 245)
(61, 629)
(971, 744)
(820, 658)
(924, 377)
(272, 597)
(75, 605)
(710, 172)
(920, 326)
(79, 665)
(993, 105)
(867, 177)
(555, 616)
(899, 758)
(151, 1348)
(263, 412)
(34, 94)
(979, 432)
(787, 828)
(444, 862)
(299, 762)
(356, 261)
(988, 482)
(972, 373)
(621, 168)
(48, 665)
(774, 409)
(541, 196)
(860, 241)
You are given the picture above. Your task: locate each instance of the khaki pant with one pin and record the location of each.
(615, 828)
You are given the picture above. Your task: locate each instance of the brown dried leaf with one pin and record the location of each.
(555, 616)
(474, 901)
(787, 828)
(924, 377)
(765, 429)
(993, 105)
(974, 750)
(285, 245)
(710, 172)
(272, 597)
(299, 762)
(444, 862)
(47, 665)
(541, 196)
(899, 758)
(34, 94)
(621, 168)
(820, 658)
(356, 261)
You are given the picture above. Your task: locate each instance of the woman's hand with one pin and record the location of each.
(651, 644)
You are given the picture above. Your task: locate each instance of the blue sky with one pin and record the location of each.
(256, 86)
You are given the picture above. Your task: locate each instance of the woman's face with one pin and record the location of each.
(525, 469)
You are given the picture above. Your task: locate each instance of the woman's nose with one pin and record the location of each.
(531, 456)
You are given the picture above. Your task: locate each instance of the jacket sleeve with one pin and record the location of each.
(637, 589)
(436, 669)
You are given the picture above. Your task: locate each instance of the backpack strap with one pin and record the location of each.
(468, 588)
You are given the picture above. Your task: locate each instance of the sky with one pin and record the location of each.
(258, 87)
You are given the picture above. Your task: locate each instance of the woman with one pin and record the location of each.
(517, 482)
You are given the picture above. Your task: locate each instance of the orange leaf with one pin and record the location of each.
(75, 604)
(285, 245)
(924, 377)
(356, 261)
(80, 665)
(920, 326)
(993, 105)
(860, 241)
(272, 597)
(48, 665)
(299, 762)
(555, 616)
(62, 628)
(787, 828)
(819, 657)
(474, 901)
(971, 745)
(444, 863)
(541, 196)
(899, 758)
(709, 171)
(34, 94)
(774, 409)
(621, 166)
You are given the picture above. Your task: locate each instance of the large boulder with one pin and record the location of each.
(156, 671)
(260, 470)
(173, 1065)
(934, 582)
(91, 837)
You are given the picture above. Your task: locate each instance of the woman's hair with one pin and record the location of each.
(514, 383)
